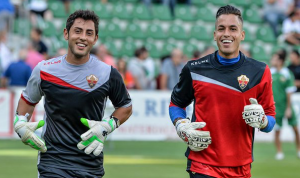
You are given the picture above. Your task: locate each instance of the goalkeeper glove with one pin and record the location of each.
(196, 140)
(254, 115)
(26, 129)
(93, 139)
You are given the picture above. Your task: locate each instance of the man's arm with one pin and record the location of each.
(122, 114)
(163, 81)
(24, 108)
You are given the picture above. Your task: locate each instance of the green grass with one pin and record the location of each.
(148, 160)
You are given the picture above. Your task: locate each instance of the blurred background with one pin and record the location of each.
(148, 41)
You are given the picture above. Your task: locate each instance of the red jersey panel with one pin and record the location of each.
(220, 93)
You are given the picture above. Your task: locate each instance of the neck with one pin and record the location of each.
(278, 68)
(77, 60)
(228, 56)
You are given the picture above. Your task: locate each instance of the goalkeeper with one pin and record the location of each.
(232, 97)
(75, 87)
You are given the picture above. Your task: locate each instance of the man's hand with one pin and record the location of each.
(93, 139)
(197, 140)
(254, 115)
(26, 129)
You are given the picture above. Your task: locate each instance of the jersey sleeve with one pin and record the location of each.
(183, 92)
(118, 93)
(265, 97)
(33, 92)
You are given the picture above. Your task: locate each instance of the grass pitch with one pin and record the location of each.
(148, 160)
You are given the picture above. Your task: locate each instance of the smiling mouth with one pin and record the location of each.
(226, 41)
(81, 45)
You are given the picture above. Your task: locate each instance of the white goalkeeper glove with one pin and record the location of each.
(196, 140)
(254, 115)
(26, 129)
(93, 139)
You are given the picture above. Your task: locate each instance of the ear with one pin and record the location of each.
(215, 38)
(243, 35)
(66, 34)
(96, 39)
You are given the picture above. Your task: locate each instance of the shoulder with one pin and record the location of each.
(257, 65)
(200, 61)
(286, 72)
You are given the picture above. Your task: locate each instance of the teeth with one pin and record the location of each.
(226, 41)
(82, 45)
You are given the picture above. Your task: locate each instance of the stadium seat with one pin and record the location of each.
(131, 1)
(153, 51)
(249, 37)
(218, 2)
(102, 33)
(189, 49)
(112, 48)
(113, 30)
(184, 13)
(198, 2)
(134, 31)
(167, 49)
(242, 3)
(205, 14)
(161, 12)
(259, 3)
(258, 52)
(177, 32)
(120, 11)
(265, 34)
(141, 12)
(200, 33)
(76, 5)
(127, 49)
(22, 27)
(155, 31)
(101, 10)
(57, 8)
(251, 15)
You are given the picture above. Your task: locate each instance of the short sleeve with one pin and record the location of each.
(183, 92)
(33, 92)
(118, 93)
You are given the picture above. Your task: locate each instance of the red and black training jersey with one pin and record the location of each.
(220, 93)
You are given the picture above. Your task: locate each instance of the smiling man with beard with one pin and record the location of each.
(232, 96)
(75, 89)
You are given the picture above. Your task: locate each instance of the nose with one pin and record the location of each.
(226, 33)
(83, 37)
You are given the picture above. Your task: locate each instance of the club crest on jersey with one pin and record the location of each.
(243, 81)
(92, 80)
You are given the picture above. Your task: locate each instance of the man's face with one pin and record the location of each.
(81, 37)
(228, 35)
(275, 61)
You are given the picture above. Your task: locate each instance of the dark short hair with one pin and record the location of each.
(281, 54)
(228, 9)
(296, 52)
(38, 31)
(140, 51)
(86, 15)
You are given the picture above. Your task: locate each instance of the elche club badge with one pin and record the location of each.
(92, 80)
(243, 81)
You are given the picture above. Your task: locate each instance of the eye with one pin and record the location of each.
(77, 31)
(233, 29)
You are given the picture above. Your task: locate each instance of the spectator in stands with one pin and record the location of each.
(171, 68)
(104, 55)
(39, 8)
(18, 73)
(61, 51)
(196, 55)
(126, 75)
(36, 37)
(143, 70)
(5, 54)
(33, 56)
(208, 50)
(291, 28)
(6, 15)
(295, 67)
(275, 11)
(283, 87)
(67, 5)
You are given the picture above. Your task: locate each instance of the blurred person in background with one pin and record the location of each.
(61, 51)
(36, 38)
(196, 55)
(208, 50)
(143, 70)
(17, 74)
(39, 9)
(5, 54)
(33, 56)
(283, 87)
(170, 70)
(295, 67)
(67, 4)
(102, 53)
(232, 97)
(275, 11)
(291, 28)
(126, 75)
(7, 13)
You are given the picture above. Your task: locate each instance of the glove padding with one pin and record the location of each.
(93, 139)
(254, 115)
(26, 129)
(196, 140)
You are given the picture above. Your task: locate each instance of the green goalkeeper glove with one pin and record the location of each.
(26, 129)
(93, 139)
